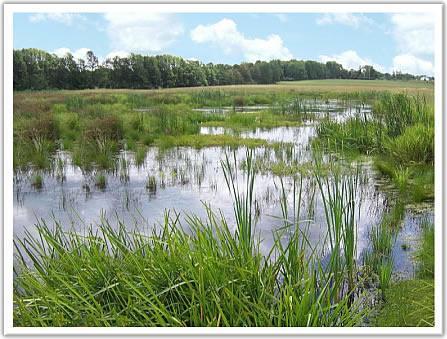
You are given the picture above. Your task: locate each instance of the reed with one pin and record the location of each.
(339, 195)
(243, 201)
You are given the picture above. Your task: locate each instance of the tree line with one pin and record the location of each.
(35, 69)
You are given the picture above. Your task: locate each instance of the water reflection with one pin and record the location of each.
(182, 179)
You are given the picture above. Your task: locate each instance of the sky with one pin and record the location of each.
(387, 41)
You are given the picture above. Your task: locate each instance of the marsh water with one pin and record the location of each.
(184, 179)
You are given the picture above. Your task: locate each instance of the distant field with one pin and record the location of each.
(361, 83)
(412, 87)
(307, 86)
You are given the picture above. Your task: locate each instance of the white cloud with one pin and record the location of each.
(408, 63)
(80, 53)
(414, 35)
(142, 31)
(225, 35)
(414, 32)
(63, 18)
(351, 60)
(348, 19)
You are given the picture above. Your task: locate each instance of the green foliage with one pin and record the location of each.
(36, 128)
(238, 101)
(85, 123)
(422, 187)
(247, 121)
(139, 100)
(414, 181)
(384, 271)
(75, 103)
(401, 177)
(378, 259)
(242, 202)
(35, 152)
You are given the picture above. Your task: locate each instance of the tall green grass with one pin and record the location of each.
(414, 145)
(339, 195)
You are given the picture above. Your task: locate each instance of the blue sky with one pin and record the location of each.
(391, 41)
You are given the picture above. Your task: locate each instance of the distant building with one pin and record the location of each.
(424, 78)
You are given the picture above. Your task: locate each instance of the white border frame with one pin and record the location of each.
(10, 9)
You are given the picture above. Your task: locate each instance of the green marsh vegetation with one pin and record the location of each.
(210, 271)
(399, 134)
(95, 126)
(209, 276)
